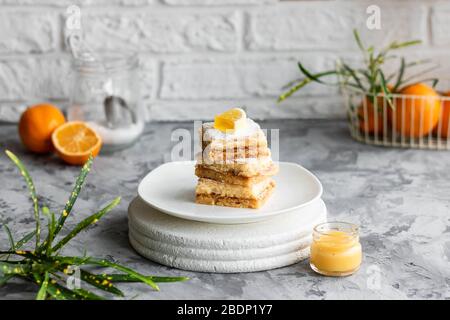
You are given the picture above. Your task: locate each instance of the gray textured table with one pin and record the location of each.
(401, 198)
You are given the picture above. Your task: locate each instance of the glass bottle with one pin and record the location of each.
(105, 94)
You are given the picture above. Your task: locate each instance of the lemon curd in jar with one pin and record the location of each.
(335, 250)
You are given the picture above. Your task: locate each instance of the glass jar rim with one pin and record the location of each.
(347, 227)
(105, 61)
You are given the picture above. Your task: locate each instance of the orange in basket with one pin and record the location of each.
(371, 120)
(444, 121)
(417, 111)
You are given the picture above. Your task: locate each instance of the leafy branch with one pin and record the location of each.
(48, 269)
(369, 79)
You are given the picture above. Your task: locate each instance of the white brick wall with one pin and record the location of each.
(27, 32)
(200, 56)
(162, 33)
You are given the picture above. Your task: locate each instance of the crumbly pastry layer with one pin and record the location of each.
(232, 155)
(203, 172)
(231, 145)
(209, 186)
(248, 142)
(219, 200)
(242, 167)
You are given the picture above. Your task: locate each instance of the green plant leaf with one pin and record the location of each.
(417, 74)
(408, 65)
(394, 45)
(25, 239)
(400, 74)
(42, 293)
(114, 277)
(292, 90)
(127, 270)
(85, 223)
(307, 74)
(58, 292)
(24, 172)
(5, 278)
(46, 245)
(434, 82)
(304, 82)
(418, 62)
(106, 263)
(365, 73)
(358, 40)
(387, 93)
(398, 45)
(87, 295)
(354, 76)
(68, 260)
(314, 77)
(8, 268)
(74, 195)
(22, 253)
(168, 279)
(100, 282)
(10, 237)
(291, 83)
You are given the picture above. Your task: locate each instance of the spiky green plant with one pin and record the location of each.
(45, 266)
(369, 78)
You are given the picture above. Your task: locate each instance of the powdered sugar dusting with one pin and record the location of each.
(210, 133)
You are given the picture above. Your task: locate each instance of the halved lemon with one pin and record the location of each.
(233, 119)
(75, 141)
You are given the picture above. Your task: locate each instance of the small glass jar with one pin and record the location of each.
(336, 250)
(105, 94)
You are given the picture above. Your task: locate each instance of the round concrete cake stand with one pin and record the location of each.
(205, 247)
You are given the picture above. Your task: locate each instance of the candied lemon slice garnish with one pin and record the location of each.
(231, 120)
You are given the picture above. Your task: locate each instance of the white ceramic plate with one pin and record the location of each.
(170, 188)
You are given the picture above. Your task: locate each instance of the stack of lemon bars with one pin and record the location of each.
(235, 167)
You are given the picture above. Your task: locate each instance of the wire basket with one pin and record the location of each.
(410, 121)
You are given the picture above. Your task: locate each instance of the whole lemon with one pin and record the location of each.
(37, 124)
